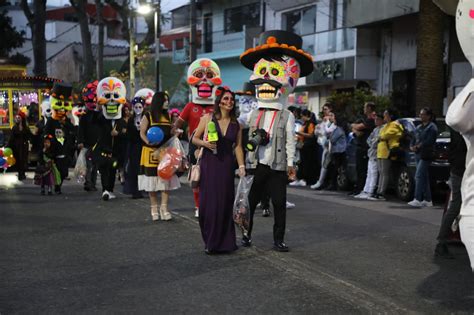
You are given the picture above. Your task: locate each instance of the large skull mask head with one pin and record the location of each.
(275, 78)
(61, 100)
(141, 100)
(111, 94)
(465, 28)
(204, 76)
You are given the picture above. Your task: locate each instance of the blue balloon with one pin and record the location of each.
(155, 135)
(2, 161)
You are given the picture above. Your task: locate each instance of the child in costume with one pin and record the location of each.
(47, 174)
(204, 77)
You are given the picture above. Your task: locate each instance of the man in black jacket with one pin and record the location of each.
(88, 131)
(457, 162)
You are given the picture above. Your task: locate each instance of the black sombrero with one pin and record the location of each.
(62, 90)
(248, 89)
(279, 43)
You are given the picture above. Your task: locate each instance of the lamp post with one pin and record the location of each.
(146, 9)
(132, 56)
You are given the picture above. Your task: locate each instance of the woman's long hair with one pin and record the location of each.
(156, 108)
(217, 110)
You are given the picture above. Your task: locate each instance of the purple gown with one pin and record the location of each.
(217, 193)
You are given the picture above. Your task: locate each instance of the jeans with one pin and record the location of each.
(422, 180)
(454, 207)
(372, 176)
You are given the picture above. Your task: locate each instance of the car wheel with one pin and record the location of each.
(405, 184)
(342, 179)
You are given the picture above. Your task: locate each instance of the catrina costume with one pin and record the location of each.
(141, 100)
(111, 94)
(204, 77)
(61, 129)
(277, 64)
(148, 179)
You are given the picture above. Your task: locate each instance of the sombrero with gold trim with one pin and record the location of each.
(279, 43)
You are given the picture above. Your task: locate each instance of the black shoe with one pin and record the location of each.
(280, 246)
(138, 196)
(332, 188)
(42, 192)
(50, 193)
(246, 241)
(266, 213)
(442, 251)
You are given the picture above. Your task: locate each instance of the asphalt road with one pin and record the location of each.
(74, 253)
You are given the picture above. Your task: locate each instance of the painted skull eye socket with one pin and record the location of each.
(116, 95)
(275, 71)
(263, 70)
(198, 74)
(107, 95)
(209, 74)
(59, 103)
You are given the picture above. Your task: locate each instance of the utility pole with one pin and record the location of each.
(132, 55)
(157, 44)
(192, 32)
(100, 50)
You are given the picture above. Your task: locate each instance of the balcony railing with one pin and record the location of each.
(330, 42)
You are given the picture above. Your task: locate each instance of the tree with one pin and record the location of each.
(100, 49)
(88, 61)
(37, 22)
(429, 57)
(12, 38)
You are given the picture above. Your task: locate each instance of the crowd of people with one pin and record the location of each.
(282, 145)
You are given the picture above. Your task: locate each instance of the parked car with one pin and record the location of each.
(403, 170)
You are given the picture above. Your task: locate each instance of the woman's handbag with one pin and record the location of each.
(194, 175)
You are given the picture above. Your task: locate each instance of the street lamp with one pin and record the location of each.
(144, 10)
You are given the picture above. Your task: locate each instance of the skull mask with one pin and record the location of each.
(77, 112)
(146, 94)
(274, 79)
(111, 94)
(61, 100)
(465, 28)
(204, 76)
(89, 95)
(46, 108)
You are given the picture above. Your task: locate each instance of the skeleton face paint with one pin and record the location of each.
(204, 76)
(275, 80)
(111, 94)
(146, 94)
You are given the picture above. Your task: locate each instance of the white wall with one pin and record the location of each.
(404, 43)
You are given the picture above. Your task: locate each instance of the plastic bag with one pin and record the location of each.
(172, 159)
(80, 169)
(241, 212)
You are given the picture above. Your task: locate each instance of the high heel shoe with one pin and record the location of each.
(154, 213)
(164, 213)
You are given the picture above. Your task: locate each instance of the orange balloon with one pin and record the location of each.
(11, 160)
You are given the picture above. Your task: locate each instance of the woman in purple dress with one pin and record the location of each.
(217, 173)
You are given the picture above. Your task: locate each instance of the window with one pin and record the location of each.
(234, 18)
(301, 21)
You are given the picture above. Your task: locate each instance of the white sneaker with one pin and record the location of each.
(196, 213)
(105, 195)
(290, 205)
(427, 204)
(372, 198)
(111, 195)
(295, 183)
(415, 203)
(362, 195)
(315, 186)
(302, 183)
